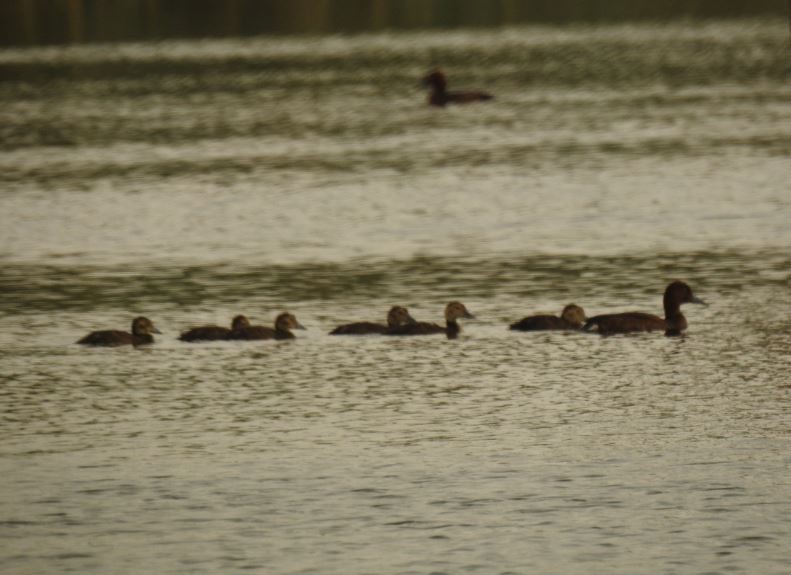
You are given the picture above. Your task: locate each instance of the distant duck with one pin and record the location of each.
(572, 318)
(284, 323)
(397, 316)
(441, 97)
(214, 332)
(673, 323)
(453, 311)
(142, 328)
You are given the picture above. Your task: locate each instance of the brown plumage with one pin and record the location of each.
(213, 332)
(453, 311)
(572, 318)
(142, 328)
(397, 316)
(284, 323)
(673, 323)
(441, 97)
(251, 332)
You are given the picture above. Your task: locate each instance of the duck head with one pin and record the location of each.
(574, 314)
(143, 326)
(239, 322)
(399, 316)
(287, 321)
(455, 310)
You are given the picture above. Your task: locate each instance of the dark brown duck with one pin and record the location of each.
(397, 316)
(251, 332)
(214, 332)
(453, 311)
(673, 323)
(572, 318)
(284, 323)
(440, 96)
(142, 328)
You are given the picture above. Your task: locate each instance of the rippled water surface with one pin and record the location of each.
(191, 181)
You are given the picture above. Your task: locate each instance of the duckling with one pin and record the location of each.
(674, 322)
(142, 328)
(214, 332)
(572, 318)
(251, 332)
(284, 323)
(453, 311)
(397, 316)
(441, 97)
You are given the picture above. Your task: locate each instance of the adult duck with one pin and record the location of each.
(674, 322)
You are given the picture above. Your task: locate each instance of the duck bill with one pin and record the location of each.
(468, 315)
(697, 300)
(299, 326)
(155, 330)
(410, 320)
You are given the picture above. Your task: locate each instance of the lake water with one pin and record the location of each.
(191, 181)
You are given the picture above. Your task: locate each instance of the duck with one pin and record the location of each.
(142, 328)
(440, 96)
(571, 318)
(214, 332)
(252, 332)
(284, 323)
(453, 311)
(673, 324)
(397, 316)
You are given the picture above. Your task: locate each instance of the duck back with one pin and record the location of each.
(360, 328)
(252, 332)
(114, 338)
(625, 322)
(542, 322)
(205, 333)
(417, 328)
(467, 97)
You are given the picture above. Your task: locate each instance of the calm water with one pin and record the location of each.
(190, 181)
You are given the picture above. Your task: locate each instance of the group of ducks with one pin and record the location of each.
(401, 323)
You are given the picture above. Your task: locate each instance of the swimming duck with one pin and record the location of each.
(214, 332)
(674, 322)
(397, 316)
(284, 323)
(453, 311)
(251, 332)
(441, 97)
(142, 328)
(572, 318)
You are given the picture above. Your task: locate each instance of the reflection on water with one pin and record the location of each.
(190, 181)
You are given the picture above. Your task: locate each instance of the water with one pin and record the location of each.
(190, 181)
